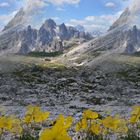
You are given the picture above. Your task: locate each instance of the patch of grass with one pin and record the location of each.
(52, 65)
(34, 73)
(25, 76)
(44, 54)
(123, 74)
(95, 101)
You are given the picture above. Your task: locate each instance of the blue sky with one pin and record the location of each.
(92, 14)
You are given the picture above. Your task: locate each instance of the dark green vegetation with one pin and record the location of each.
(44, 54)
(27, 137)
(137, 54)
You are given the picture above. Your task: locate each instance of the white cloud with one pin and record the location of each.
(90, 18)
(4, 4)
(61, 2)
(95, 22)
(135, 5)
(110, 4)
(32, 6)
(135, 12)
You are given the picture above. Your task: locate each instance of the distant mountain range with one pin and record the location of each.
(16, 38)
(122, 37)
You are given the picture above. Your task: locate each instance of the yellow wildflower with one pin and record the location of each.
(2, 120)
(111, 123)
(7, 123)
(122, 124)
(58, 131)
(95, 128)
(16, 126)
(135, 114)
(54, 134)
(68, 122)
(34, 114)
(81, 125)
(89, 114)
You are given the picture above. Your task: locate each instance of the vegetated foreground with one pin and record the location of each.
(35, 125)
(112, 84)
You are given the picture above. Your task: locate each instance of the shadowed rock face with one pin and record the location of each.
(133, 40)
(64, 33)
(28, 40)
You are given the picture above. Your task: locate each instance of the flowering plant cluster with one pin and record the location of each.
(91, 125)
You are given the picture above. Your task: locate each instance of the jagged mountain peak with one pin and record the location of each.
(122, 20)
(62, 25)
(130, 16)
(49, 23)
(20, 37)
(18, 19)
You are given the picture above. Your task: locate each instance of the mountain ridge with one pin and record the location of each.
(49, 37)
(123, 37)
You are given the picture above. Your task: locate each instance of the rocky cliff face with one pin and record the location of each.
(28, 39)
(128, 26)
(17, 38)
(63, 32)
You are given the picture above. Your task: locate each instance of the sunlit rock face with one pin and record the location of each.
(17, 20)
(128, 24)
(123, 19)
(130, 16)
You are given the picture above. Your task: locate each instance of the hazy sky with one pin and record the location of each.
(92, 14)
